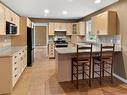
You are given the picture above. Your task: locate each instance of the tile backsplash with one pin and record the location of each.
(109, 39)
(5, 41)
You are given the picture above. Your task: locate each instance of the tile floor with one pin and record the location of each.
(40, 79)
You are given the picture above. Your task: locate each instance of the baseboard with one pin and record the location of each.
(120, 78)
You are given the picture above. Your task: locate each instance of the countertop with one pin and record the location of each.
(71, 50)
(10, 51)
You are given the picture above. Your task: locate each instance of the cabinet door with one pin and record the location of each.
(74, 28)
(2, 20)
(95, 24)
(81, 28)
(100, 24)
(103, 23)
(17, 18)
(69, 28)
(51, 29)
(29, 23)
(7, 14)
(60, 26)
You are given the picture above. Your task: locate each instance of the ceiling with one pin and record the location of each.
(75, 8)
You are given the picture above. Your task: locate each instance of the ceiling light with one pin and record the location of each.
(97, 1)
(46, 11)
(65, 12)
(70, 0)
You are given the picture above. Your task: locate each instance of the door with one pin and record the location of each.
(40, 36)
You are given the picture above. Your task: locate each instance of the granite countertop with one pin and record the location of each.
(10, 51)
(71, 50)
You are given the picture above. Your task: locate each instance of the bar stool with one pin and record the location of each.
(80, 62)
(104, 61)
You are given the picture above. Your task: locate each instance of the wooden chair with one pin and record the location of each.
(80, 62)
(104, 58)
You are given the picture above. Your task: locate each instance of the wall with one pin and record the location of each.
(40, 36)
(21, 39)
(120, 7)
(5, 41)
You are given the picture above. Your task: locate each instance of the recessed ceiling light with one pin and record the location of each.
(70, 0)
(46, 11)
(97, 1)
(65, 12)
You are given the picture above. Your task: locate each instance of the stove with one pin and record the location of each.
(61, 43)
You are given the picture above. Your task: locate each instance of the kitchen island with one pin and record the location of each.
(63, 61)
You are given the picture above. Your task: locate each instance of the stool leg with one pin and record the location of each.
(111, 73)
(93, 70)
(72, 71)
(100, 72)
(77, 77)
(83, 72)
(103, 69)
(90, 76)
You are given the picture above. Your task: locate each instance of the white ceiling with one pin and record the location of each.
(75, 8)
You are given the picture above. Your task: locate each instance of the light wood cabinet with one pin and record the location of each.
(29, 23)
(60, 27)
(69, 28)
(51, 28)
(2, 20)
(104, 23)
(81, 28)
(12, 68)
(51, 50)
(8, 15)
(74, 28)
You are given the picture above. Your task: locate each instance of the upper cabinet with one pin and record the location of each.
(2, 20)
(69, 28)
(74, 28)
(51, 28)
(104, 23)
(9, 16)
(60, 27)
(29, 23)
(81, 28)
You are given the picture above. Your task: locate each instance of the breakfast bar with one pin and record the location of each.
(63, 60)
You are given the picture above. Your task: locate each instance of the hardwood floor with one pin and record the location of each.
(40, 79)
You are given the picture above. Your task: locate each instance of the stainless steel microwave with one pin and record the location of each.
(11, 28)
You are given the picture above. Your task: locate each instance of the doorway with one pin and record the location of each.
(40, 36)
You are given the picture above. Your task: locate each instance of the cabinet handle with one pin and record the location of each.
(15, 76)
(15, 62)
(15, 68)
(21, 58)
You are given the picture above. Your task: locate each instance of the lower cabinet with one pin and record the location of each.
(51, 50)
(11, 68)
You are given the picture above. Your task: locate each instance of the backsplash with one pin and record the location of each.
(109, 39)
(5, 41)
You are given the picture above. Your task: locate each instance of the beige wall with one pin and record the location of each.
(21, 39)
(120, 7)
(40, 36)
(5, 41)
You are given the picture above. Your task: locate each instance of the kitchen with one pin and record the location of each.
(47, 71)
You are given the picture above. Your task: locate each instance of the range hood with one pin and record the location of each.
(60, 30)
